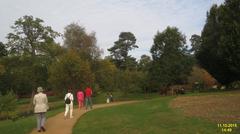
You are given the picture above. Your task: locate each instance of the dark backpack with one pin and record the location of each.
(67, 101)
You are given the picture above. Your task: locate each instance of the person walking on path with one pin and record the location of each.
(40, 103)
(88, 99)
(80, 97)
(111, 97)
(108, 98)
(68, 104)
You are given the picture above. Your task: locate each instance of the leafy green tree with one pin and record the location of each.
(105, 74)
(171, 61)
(130, 63)
(144, 63)
(70, 71)
(195, 43)
(31, 49)
(130, 81)
(2, 69)
(30, 36)
(23, 74)
(75, 37)
(119, 52)
(3, 51)
(219, 52)
(52, 52)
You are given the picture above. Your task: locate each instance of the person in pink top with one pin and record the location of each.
(80, 97)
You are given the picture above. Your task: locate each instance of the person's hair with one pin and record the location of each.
(69, 90)
(39, 89)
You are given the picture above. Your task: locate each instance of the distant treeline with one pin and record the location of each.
(31, 57)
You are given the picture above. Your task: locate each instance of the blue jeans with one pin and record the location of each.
(88, 102)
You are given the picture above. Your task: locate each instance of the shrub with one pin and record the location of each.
(234, 85)
(198, 86)
(8, 104)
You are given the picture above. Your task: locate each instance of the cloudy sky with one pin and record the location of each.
(110, 17)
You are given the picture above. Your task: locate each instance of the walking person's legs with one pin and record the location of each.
(86, 103)
(38, 115)
(82, 103)
(66, 110)
(71, 110)
(90, 102)
(43, 119)
(79, 104)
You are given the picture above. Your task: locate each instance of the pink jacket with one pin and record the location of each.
(80, 96)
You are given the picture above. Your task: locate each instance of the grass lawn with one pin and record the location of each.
(23, 125)
(148, 117)
(223, 107)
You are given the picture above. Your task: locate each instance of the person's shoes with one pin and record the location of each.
(43, 129)
(39, 130)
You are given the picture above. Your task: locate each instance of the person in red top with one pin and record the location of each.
(88, 99)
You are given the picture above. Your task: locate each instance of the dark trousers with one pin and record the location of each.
(88, 102)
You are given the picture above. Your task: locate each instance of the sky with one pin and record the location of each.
(108, 18)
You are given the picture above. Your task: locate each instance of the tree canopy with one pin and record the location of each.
(70, 71)
(171, 61)
(30, 36)
(75, 37)
(119, 52)
(31, 57)
(3, 51)
(219, 52)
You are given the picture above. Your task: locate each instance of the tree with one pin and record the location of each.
(144, 63)
(119, 52)
(75, 37)
(219, 52)
(2, 69)
(129, 81)
(53, 51)
(70, 71)
(3, 51)
(171, 62)
(195, 43)
(105, 75)
(23, 74)
(30, 36)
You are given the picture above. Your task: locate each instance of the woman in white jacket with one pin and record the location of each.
(68, 104)
(40, 103)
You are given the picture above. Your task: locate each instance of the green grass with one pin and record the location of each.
(148, 117)
(224, 92)
(23, 125)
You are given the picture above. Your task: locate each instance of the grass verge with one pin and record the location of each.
(148, 117)
(23, 125)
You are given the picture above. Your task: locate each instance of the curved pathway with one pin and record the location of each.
(58, 125)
